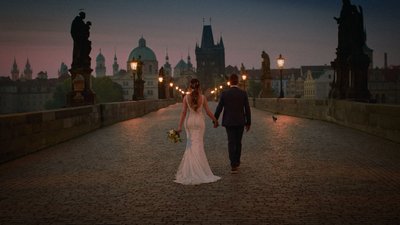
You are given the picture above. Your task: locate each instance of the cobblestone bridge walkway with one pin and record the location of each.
(294, 171)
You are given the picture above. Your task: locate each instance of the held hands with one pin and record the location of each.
(216, 124)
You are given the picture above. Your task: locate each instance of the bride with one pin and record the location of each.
(194, 167)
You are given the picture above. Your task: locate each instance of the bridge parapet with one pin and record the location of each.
(377, 119)
(25, 133)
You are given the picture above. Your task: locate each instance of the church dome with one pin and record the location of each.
(145, 53)
(100, 58)
(181, 65)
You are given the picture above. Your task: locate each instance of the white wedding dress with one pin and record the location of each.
(194, 167)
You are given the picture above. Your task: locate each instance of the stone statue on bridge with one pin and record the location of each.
(81, 93)
(266, 78)
(351, 63)
(82, 46)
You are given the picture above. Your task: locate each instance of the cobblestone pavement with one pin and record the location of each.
(294, 171)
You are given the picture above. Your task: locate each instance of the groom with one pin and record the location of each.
(235, 119)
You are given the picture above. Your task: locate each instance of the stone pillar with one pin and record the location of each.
(81, 88)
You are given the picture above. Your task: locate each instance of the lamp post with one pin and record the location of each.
(243, 72)
(244, 77)
(160, 87)
(171, 89)
(134, 65)
(140, 82)
(281, 62)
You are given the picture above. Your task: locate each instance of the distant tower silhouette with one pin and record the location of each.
(167, 66)
(189, 63)
(28, 71)
(115, 65)
(100, 65)
(14, 71)
(210, 58)
(63, 71)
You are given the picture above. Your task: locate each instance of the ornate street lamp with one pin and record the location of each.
(281, 62)
(134, 65)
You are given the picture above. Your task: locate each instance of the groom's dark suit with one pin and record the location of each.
(236, 115)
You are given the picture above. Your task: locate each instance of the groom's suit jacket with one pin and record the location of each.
(235, 104)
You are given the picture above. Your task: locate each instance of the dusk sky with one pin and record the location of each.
(303, 31)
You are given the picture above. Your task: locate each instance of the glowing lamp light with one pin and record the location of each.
(176, 87)
(244, 77)
(160, 79)
(134, 65)
(228, 83)
(220, 87)
(171, 84)
(280, 61)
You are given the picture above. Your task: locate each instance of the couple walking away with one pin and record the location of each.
(194, 167)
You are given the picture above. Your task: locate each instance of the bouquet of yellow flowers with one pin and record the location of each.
(174, 136)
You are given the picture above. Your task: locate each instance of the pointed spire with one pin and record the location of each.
(14, 70)
(207, 39)
(166, 55)
(189, 64)
(27, 63)
(221, 43)
(115, 65)
(15, 62)
(115, 54)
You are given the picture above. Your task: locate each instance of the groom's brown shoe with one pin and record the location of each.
(234, 170)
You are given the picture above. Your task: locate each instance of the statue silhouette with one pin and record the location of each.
(265, 65)
(351, 63)
(82, 46)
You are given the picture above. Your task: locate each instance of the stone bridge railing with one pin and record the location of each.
(24, 133)
(377, 119)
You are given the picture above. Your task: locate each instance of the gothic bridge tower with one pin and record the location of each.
(210, 59)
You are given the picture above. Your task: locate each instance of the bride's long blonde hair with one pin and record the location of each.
(195, 86)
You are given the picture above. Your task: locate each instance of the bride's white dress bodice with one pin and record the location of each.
(194, 167)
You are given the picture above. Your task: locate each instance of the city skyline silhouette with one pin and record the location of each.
(304, 32)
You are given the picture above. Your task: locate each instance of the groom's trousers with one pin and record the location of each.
(235, 134)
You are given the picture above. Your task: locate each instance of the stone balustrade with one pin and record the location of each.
(25, 133)
(377, 119)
